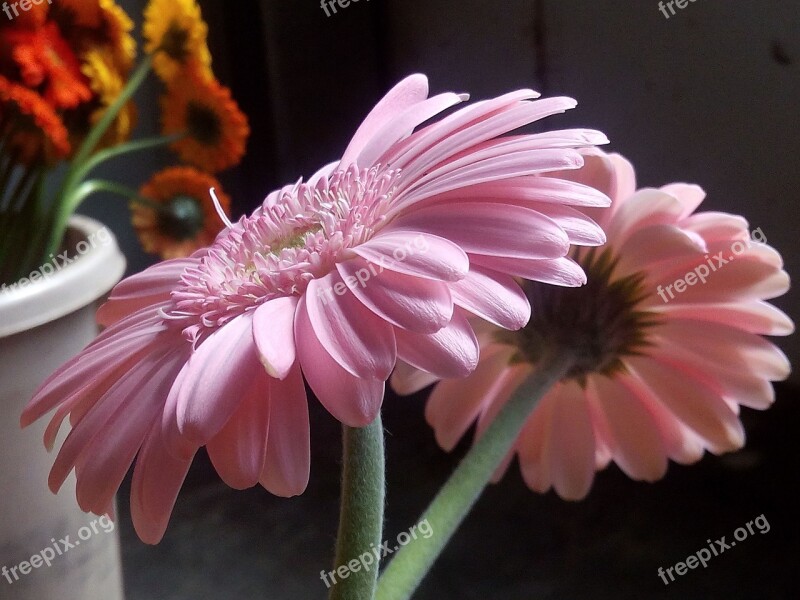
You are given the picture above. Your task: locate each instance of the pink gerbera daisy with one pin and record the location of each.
(660, 367)
(383, 254)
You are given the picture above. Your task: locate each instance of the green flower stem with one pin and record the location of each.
(94, 186)
(361, 516)
(462, 490)
(63, 208)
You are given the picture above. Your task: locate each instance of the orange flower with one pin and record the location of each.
(35, 132)
(46, 61)
(216, 130)
(186, 219)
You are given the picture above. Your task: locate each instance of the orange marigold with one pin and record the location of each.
(33, 130)
(185, 218)
(215, 129)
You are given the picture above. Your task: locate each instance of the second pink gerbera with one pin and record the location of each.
(666, 340)
(383, 254)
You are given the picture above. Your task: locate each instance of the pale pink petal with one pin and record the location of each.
(239, 450)
(635, 440)
(455, 404)
(494, 297)
(451, 352)
(288, 459)
(408, 380)
(219, 374)
(157, 479)
(693, 403)
(352, 400)
(753, 316)
(408, 92)
(492, 230)
(417, 304)
(443, 260)
(273, 333)
(562, 271)
(358, 339)
(690, 196)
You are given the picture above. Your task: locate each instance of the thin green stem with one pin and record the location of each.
(361, 515)
(63, 207)
(94, 186)
(462, 490)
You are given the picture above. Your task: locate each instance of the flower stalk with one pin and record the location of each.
(361, 516)
(457, 497)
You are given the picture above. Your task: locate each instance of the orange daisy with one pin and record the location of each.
(45, 60)
(35, 132)
(215, 129)
(186, 219)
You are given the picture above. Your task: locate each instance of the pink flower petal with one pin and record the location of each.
(417, 304)
(492, 296)
(693, 403)
(753, 316)
(572, 441)
(491, 229)
(157, 479)
(288, 462)
(273, 332)
(443, 260)
(451, 352)
(219, 374)
(635, 439)
(408, 92)
(239, 450)
(407, 380)
(359, 340)
(352, 400)
(562, 271)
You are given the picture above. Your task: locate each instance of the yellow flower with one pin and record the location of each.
(107, 84)
(175, 34)
(185, 219)
(117, 27)
(215, 129)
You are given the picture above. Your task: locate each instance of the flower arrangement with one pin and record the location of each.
(522, 274)
(68, 76)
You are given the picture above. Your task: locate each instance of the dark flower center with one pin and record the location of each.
(182, 218)
(203, 124)
(174, 43)
(601, 322)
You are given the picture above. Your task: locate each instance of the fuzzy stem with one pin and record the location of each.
(454, 501)
(361, 516)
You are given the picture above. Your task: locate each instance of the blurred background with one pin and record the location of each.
(708, 95)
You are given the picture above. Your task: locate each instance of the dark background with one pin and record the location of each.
(707, 96)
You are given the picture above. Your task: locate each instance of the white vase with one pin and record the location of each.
(42, 325)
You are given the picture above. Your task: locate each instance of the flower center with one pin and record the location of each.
(203, 124)
(174, 43)
(298, 234)
(181, 218)
(601, 321)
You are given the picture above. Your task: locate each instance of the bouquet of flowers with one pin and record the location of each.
(68, 77)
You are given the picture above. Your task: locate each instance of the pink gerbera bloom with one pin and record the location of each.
(661, 367)
(380, 255)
